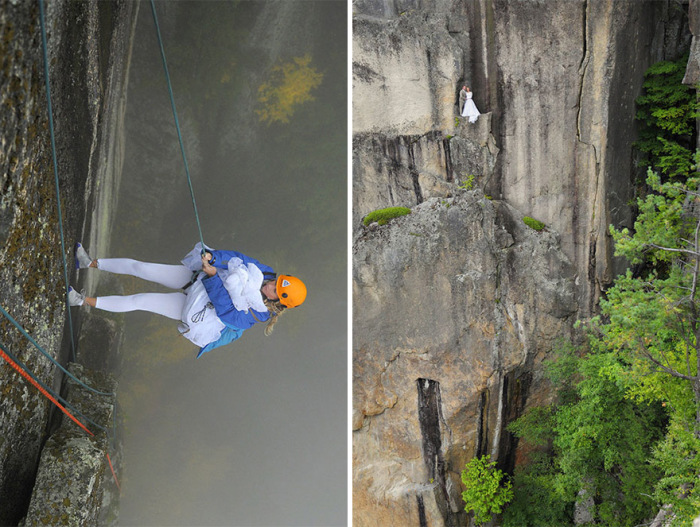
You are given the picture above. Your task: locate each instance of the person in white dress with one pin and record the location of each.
(470, 110)
(223, 293)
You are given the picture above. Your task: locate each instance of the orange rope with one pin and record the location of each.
(54, 401)
(113, 474)
(38, 387)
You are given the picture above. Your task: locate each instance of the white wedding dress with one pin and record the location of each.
(243, 283)
(470, 110)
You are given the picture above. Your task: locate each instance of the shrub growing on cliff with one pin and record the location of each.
(533, 223)
(485, 493)
(667, 111)
(382, 216)
(468, 183)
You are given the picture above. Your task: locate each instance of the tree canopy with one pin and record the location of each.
(622, 437)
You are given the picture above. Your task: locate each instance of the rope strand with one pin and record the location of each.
(55, 169)
(48, 356)
(36, 384)
(177, 123)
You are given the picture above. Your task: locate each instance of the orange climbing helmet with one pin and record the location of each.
(291, 290)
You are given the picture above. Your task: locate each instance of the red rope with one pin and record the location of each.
(38, 387)
(113, 473)
(54, 401)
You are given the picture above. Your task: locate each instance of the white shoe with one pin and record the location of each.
(75, 298)
(82, 259)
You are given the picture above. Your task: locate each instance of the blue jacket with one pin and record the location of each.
(236, 321)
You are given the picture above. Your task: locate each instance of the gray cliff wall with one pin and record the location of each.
(457, 304)
(88, 44)
(559, 84)
(462, 297)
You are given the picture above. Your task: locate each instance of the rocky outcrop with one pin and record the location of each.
(474, 299)
(88, 47)
(74, 484)
(456, 305)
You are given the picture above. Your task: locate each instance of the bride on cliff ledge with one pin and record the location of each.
(470, 110)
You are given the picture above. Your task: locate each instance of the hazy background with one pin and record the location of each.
(253, 433)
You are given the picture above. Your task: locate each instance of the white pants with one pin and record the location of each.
(167, 304)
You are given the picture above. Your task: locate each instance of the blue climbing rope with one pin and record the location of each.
(55, 170)
(177, 122)
(48, 356)
(48, 390)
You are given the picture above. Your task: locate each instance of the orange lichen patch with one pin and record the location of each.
(290, 84)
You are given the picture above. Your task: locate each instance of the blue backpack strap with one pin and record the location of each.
(228, 335)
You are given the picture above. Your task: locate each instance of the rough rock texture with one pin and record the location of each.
(475, 299)
(408, 169)
(74, 472)
(455, 307)
(562, 119)
(692, 73)
(88, 47)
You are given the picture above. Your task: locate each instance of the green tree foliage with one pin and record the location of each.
(625, 426)
(667, 111)
(652, 320)
(594, 439)
(486, 493)
(652, 323)
(536, 502)
(626, 423)
(677, 459)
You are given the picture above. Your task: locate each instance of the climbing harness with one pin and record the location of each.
(199, 315)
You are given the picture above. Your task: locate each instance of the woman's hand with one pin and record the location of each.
(206, 266)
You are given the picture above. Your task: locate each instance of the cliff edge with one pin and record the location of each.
(88, 54)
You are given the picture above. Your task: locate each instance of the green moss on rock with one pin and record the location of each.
(533, 223)
(382, 216)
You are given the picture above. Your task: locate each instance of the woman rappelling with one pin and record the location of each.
(225, 293)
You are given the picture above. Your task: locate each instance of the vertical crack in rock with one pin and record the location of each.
(502, 393)
(422, 520)
(593, 288)
(432, 76)
(592, 263)
(449, 174)
(430, 418)
(481, 424)
(484, 40)
(414, 174)
(582, 68)
(516, 387)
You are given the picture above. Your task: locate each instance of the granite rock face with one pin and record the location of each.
(74, 484)
(560, 84)
(475, 300)
(88, 50)
(457, 304)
